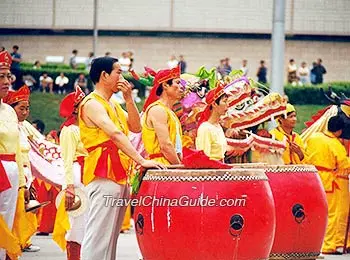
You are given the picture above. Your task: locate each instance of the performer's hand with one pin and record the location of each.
(26, 195)
(232, 133)
(126, 89)
(152, 164)
(296, 149)
(70, 194)
(33, 193)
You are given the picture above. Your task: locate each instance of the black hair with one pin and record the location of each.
(14, 104)
(99, 65)
(15, 47)
(291, 60)
(75, 51)
(160, 88)
(217, 101)
(335, 124)
(40, 125)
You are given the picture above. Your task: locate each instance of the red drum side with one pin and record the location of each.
(244, 230)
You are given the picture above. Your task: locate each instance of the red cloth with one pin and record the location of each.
(81, 160)
(5, 60)
(17, 96)
(48, 212)
(194, 159)
(4, 181)
(73, 250)
(68, 105)
(109, 151)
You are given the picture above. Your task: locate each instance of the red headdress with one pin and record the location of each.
(212, 95)
(16, 96)
(5, 60)
(161, 77)
(68, 105)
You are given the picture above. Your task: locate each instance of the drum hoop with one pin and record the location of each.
(294, 255)
(295, 168)
(207, 175)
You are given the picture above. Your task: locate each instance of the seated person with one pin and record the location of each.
(46, 83)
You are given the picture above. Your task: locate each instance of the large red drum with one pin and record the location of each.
(205, 214)
(301, 210)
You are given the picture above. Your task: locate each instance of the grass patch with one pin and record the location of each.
(46, 108)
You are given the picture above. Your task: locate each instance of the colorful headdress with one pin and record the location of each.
(5, 60)
(212, 95)
(17, 96)
(290, 108)
(161, 77)
(68, 105)
(70, 101)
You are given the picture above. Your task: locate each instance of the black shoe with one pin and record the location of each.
(42, 234)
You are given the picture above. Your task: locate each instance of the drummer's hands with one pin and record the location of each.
(296, 149)
(152, 164)
(70, 194)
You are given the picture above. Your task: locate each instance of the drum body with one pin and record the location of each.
(301, 210)
(205, 214)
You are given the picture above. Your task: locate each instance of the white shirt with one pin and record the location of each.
(172, 64)
(60, 81)
(124, 63)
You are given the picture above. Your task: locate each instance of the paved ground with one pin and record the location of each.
(127, 249)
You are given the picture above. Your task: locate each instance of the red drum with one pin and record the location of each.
(205, 214)
(301, 210)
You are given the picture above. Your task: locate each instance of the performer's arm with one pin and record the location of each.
(158, 118)
(134, 122)
(96, 113)
(68, 149)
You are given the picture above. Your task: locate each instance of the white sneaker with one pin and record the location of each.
(31, 248)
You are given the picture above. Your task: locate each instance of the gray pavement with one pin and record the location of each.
(127, 249)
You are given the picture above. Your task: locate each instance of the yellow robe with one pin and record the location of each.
(149, 136)
(211, 139)
(326, 152)
(71, 149)
(288, 156)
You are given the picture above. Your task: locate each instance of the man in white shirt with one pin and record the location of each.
(125, 62)
(61, 81)
(244, 67)
(172, 63)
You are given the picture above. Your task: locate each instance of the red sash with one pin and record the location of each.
(81, 160)
(4, 181)
(109, 151)
(155, 155)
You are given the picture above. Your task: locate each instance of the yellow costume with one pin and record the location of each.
(211, 139)
(73, 153)
(25, 224)
(326, 152)
(99, 144)
(288, 156)
(149, 136)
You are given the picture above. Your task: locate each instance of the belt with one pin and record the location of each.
(81, 160)
(155, 155)
(324, 169)
(4, 181)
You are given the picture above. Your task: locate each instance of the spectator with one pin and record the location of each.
(262, 72)
(125, 62)
(2, 48)
(227, 67)
(107, 54)
(39, 125)
(16, 67)
(29, 81)
(37, 65)
(220, 69)
(62, 82)
(81, 81)
(292, 72)
(244, 67)
(46, 83)
(319, 70)
(89, 60)
(183, 64)
(131, 57)
(303, 74)
(312, 74)
(73, 59)
(172, 63)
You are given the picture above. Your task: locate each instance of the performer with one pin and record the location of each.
(326, 152)
(210, 135)
(73, 154)
(161, 129)
(25, 224)
(11, 166)
(295, 150)
(103, 128)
